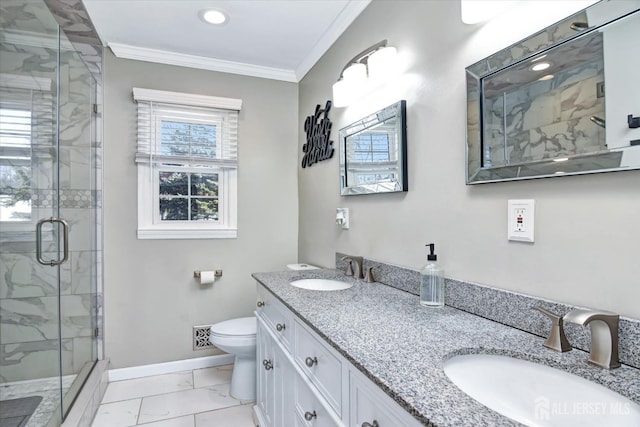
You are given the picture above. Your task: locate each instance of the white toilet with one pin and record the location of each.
(238, 337)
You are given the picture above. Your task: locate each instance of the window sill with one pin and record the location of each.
(227, 233)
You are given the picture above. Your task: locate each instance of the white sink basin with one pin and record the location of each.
(538, 395)
(321, 284)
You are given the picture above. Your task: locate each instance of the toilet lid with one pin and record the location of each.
(236, 327)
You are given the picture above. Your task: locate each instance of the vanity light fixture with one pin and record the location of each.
(213, 16)
(373, 65)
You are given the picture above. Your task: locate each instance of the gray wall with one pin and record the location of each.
(151, 298)
(586, 250)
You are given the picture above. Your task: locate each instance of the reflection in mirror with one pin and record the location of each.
(373, 155)
(538, 108)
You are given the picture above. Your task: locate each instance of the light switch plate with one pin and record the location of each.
(520, 220)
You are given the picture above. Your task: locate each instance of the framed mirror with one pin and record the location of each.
(373, 153)
(561, 102)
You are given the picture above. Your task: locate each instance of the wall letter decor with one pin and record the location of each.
(318, 146)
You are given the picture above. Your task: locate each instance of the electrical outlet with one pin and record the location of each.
(342, 217)
(520, 220)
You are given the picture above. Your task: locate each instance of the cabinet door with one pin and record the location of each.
(309, 407)
(371, 407)
(284, 377)
(265, 397)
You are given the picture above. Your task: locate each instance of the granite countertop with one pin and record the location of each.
(402, 346)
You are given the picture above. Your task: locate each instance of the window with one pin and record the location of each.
(187, 165)
(26, 138)
(15, 165)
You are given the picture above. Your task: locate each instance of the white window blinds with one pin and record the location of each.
(184, 129)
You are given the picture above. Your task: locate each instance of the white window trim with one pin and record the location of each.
(148, 226)
(186, 99)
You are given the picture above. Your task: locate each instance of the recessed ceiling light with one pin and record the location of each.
(540, 66)
(547, 77)
(561, 159)
(539, 58)
(213, 16)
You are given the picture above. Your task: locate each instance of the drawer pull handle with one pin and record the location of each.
(310, 361)
(310, 415)
(267, 364)
(260, 303)
(280, 327)
(374, 424)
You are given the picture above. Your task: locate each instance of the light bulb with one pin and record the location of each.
(341, 94)
(355, 73)
(382, 64)
(213, 16)
(540, 66)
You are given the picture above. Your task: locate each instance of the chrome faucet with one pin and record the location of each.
(604, 335)
(358, 261)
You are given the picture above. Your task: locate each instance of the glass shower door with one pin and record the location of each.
(30, 342)
(77, 158)
(48, 268)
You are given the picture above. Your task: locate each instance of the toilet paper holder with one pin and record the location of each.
(218, 274)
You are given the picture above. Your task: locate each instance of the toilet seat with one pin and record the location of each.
(244, 327)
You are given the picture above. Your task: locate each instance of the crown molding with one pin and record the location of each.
(193, 61)
(351, 11)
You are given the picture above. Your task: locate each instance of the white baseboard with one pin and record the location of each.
(170, 367)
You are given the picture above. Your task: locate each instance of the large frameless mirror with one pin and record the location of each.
(564, 101)
(373, 153)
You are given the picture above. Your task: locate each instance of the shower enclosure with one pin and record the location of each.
(49, 217)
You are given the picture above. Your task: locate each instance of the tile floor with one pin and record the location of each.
(198, 398)
(47, 388)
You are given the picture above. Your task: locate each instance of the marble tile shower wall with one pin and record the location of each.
(77, 26)
(509, 308)
(547, 119)
(28, 290)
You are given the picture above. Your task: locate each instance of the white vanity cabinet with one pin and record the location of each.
(304, 382)
(274, 381)
(371, 407)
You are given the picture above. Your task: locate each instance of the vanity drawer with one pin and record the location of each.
(276, 316)
(310, 412)
(321, 366)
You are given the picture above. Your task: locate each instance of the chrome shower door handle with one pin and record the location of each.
(65, 241)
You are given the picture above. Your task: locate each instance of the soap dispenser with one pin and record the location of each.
(432, 281)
